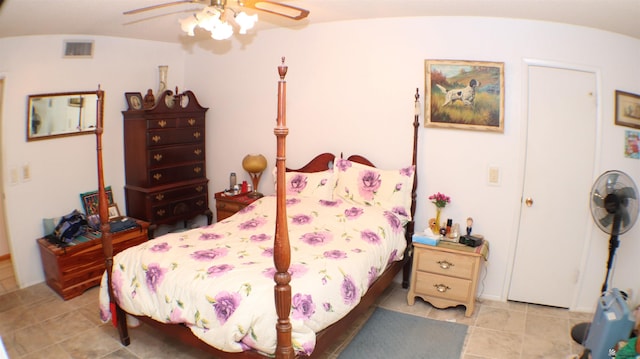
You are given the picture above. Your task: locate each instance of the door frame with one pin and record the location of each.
(521, 167)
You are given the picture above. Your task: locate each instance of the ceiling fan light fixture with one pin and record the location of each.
(214, 19)
(246, 22)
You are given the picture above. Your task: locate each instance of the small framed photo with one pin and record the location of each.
(466, 95)
(627, 109)
(90, 201)
(114, 212)
(134, 100)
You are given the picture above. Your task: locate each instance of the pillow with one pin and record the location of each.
(370, 186)
(314, 184)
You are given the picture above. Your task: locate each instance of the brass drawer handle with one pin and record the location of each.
(191, 121)
(156, 138)
(157, 157)
(157, 176)
(199, 188)
(441, 288)
(159, 197)
(445, 264)
(200, 203)
(221, 205)
(197, 169)
(196, 134)
(197, 152)
(160, 212)
(162, 123)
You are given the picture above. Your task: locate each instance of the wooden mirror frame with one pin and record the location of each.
(61, 114)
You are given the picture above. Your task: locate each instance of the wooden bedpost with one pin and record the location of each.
(281, 248)
(103, 211)
(406, 273)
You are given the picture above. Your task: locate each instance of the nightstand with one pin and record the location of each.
(227, 206)
(446, 275)
(71, 270)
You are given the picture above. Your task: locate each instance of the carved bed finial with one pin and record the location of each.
(282, 69)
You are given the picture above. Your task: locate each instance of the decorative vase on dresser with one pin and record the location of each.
(165, 162)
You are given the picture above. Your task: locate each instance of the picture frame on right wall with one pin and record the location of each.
(627, 109)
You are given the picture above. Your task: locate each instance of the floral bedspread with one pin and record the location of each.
(219, 279)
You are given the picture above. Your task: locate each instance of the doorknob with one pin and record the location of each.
(528, 201)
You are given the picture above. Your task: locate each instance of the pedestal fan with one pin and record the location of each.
(614, 208)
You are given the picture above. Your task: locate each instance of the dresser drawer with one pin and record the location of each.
(176, 174)
(180, 208)
(442, 286)
(450, 264)
(167, 156)
(174, 122)
(178, 193)
(176, 136)
(229, 206)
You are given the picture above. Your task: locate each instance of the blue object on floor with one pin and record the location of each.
(389, 334)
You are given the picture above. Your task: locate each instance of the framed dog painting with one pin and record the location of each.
(466, 95)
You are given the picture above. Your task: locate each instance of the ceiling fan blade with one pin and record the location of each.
(606, 220)
(276, 8)
(159, 6)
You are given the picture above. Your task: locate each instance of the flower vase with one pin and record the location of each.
(436, 226)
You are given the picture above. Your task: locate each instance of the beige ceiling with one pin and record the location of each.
(104, 17)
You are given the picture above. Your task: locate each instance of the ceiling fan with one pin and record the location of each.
(272, 7)
(215, 16)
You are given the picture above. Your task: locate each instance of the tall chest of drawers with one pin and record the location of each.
(165, 161)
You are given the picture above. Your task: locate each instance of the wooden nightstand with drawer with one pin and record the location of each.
(228, 205)
(446, 275)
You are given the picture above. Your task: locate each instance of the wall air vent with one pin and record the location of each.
(78, 49)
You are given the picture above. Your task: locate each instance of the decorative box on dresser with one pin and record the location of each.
(71, 270)
(446, 275)
(165, 162)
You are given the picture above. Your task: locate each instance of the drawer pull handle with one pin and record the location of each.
(196, 134)
(160, 212)
(157, 157)
(200, 203)
(157, 176)
(199, 188)
(197, 152)
(192, 121)
(222, 205)
(156, 138)
(197, 169)
(162, 123)
(445, 264)
(441, 288)
(159, 197)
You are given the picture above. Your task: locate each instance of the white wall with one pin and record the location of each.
(350, 89)
(65, 167)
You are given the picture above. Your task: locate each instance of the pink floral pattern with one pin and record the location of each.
(219, 279)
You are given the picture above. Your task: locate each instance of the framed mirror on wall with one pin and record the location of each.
(61, 114)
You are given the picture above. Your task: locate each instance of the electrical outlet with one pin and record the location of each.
(494, 175)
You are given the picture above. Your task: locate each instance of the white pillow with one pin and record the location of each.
(370, 186)
(313, 184)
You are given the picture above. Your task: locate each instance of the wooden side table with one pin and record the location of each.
(71, 270)
(227, 206)
(446, 275)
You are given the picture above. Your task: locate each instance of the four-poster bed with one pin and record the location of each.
(334, 237)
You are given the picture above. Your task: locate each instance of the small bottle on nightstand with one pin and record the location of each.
(232, 180)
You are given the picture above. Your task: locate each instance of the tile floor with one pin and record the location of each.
(36, 323)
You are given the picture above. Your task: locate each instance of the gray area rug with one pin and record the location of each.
(388, 334)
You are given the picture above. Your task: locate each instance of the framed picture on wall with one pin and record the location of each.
(467, 95)
(627, 109)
